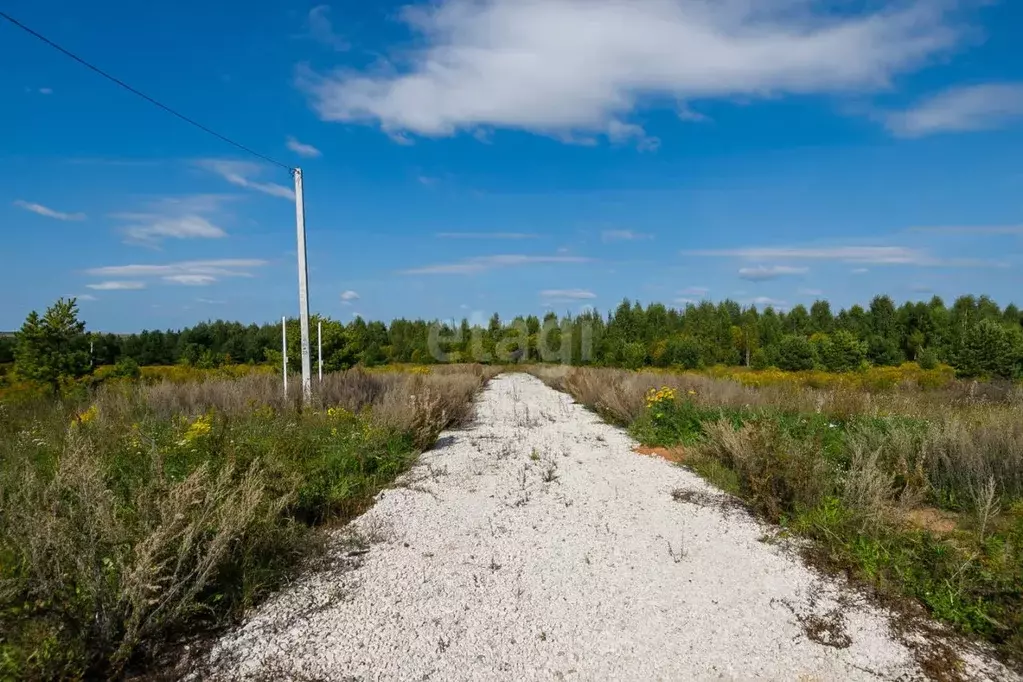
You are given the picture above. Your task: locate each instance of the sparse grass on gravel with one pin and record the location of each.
(137, 513)
(917, 492)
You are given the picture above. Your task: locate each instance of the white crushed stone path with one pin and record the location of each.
(536, 545)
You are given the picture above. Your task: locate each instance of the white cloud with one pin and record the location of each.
(765, 301)
(580, 67)
(193, 273)
(191, 280)
(859, 271)
(568, 294)
(486, 235)
(240, 173)
(39, 209)
(45, 91)
(184, 227)
(348, 296)
(623, 236)
(881, 255)
(853, 254)
(85, 297)
(471, 266)
(695, 291)
(187, 217)
(302, 149)
(762, 273)
(117, 286)
(972, 229)
(321, 29)
(686, 301)
(210, 301)
(970, 108)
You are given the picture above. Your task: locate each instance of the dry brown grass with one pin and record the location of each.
(918, 491)
(121, 529)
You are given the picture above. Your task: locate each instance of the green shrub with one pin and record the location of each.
(147, 511)
(928, 359)
(795, 353)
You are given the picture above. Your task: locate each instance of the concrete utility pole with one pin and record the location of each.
(284, 352)
(303, 288)
(319, 345)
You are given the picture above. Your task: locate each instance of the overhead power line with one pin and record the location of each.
(143, 95)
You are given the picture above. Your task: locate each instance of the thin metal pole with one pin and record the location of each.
(319, 352)
(284, 351)
(303, 287)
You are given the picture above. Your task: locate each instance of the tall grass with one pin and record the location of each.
(140, 511)
(856, 470)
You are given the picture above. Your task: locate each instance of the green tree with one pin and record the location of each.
(6, 350)
(127, 368)
(990, 349)
(927, 358)
(683, 351)
(52, 347)
(795, 353)
(845, 352)
(634, 355)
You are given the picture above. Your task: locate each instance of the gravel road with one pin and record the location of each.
(537, 545)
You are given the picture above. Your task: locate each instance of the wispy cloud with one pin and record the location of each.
(809, 292)
(471, 266)
(347, 297)
(859, 271)
(486, 235)
(695, 291)
(191, 280)
(568, 294)
(960, 109)
(878, 255)
(211, 301)
(972, 229)
(306, 150)
(186, 217)
(853, 254)
(39, 209)
(766, 301)
(623, 236)
(85, 297)
(190, 273)
(321, 29)
(762, 273)
(45, 91)
(528, 66)
(116, 286)
(240, 173)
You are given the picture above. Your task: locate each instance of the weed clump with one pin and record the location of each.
(142, 512)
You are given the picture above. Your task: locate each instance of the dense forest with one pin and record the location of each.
(974, 335)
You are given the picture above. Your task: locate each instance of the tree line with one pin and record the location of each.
(974, 335)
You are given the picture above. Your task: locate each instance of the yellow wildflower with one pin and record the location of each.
(86, 416)
(656, 396)
(202, 426)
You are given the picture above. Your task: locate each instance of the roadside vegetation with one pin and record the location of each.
(972, 337)
(915, 491)
(134, 512)
(161, 483)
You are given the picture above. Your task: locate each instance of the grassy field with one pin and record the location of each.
(137, 511)
(916, 492)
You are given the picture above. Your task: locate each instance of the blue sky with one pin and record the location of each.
(464, 157)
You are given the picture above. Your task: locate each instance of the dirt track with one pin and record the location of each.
(537, 545)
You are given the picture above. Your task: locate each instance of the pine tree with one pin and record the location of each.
(53, 347)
